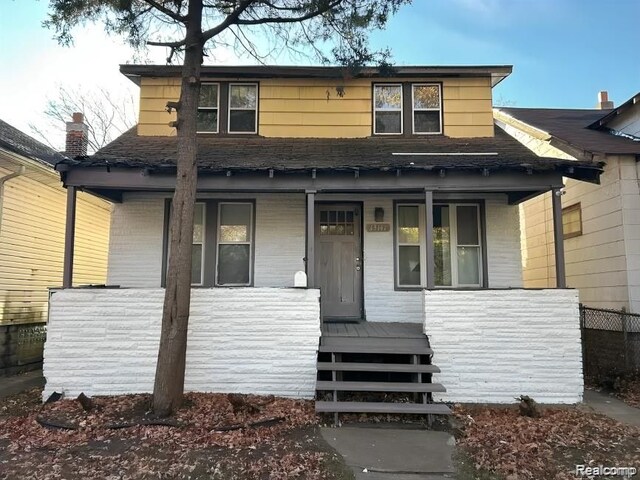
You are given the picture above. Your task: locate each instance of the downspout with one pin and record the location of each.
(3, 180)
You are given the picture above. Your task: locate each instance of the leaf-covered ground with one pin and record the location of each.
(212, 440)
(630, 392)
(498, 441)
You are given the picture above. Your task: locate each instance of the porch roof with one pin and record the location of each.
(250, 154)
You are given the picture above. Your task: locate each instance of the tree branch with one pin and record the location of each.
(230, 20)
(169, 13)
(301, 18)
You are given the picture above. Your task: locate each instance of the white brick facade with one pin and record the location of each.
(135, 258)
(494, 345)
(244, 340)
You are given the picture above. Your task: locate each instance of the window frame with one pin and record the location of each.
(413, 109)
(374, 109)
(568, 209)
(250, 242)
(210, 245)
(203, 243)
(217, 108)
(453, 204)
(229, 108)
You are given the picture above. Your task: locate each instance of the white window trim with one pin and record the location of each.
(250, 243)
(217, 108)
(255, 127)
(375, 109)
(414, 109)
(453, 251)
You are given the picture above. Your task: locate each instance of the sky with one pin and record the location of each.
(562, 51)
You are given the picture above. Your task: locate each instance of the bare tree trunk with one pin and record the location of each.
(169, 382)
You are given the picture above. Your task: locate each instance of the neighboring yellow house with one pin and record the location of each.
(32, 228)
(602, 222)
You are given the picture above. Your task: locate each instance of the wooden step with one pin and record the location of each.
(382, 349)
(382, 407)
(378, 367)
(410, 387)
(375, 342)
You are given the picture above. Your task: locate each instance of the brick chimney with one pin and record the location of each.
(603, 101)
(77, 136)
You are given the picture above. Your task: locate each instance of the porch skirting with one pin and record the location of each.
(494, 345)
(241, 340)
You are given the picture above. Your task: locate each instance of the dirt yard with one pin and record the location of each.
(499, 443)
(211, 437)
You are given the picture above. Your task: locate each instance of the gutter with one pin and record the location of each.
(5, 179)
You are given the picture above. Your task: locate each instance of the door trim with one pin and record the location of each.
(359, 204)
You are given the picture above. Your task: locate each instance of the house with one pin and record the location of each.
(601, 222)
(32, 231)
(390, 191)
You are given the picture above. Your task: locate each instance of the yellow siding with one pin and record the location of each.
(32, 246)
(313, 108)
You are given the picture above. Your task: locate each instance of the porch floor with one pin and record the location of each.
(373, 330)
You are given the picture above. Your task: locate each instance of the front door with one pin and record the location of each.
(339, 260)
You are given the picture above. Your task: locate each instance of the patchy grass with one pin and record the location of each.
(213, 439)
(496, 442)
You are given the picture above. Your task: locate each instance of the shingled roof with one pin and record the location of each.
(216, 153)
(572, 126)
(18, 142)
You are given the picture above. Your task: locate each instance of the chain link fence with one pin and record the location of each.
(610, 344)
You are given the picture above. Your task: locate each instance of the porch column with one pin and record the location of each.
(558, 238)
(69, 238)
(311, 236)
(430, 266)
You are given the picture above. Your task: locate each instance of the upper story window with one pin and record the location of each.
(418, 105)
(228, 108)
(387, 109)
(208, 108)
(243, 108)
(427, 111)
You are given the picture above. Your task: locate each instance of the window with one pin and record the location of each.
(222, 246)
(572, 221)
(427, 113)
(197, 250)
(336, 222)
(243, 108)
(234, 243)
(387, 109)
(456, 243)
(208, 108)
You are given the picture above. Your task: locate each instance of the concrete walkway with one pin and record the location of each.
(612, 407)
(19, 383)
(394, 454)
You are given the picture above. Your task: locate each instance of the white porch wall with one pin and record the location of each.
(241, 340)
(494, 345)
(135, 252)
(136, 247)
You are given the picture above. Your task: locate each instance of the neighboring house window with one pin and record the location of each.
(197, 249)
(208, 108)
(457, 247)
(572, 221)
(387, 109)
(426, 103)
(243, 108)
(234, 243)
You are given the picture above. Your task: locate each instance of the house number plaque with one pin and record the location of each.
(378, 227)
